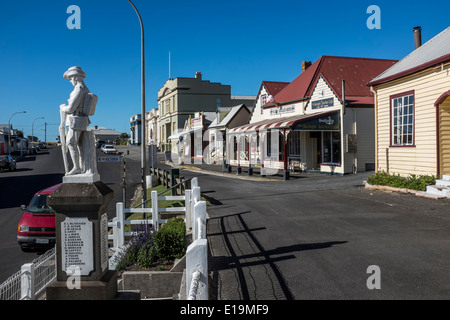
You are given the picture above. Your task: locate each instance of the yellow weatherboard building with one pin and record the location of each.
(412, 110)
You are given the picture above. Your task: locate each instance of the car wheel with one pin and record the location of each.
(25, 249)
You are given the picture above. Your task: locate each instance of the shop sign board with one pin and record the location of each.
(323, 103)
(282, 110)
(329, 121)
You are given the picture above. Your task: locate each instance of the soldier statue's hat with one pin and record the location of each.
(74, 71)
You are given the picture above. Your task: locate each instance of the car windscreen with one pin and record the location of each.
(39, 204)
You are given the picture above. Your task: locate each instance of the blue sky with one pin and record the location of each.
(238, 43)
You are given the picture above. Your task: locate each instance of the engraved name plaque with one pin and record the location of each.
(77, 245)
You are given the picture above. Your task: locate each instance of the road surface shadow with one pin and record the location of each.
(243, 267)
(28, 186)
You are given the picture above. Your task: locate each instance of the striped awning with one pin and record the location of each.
(279, 123)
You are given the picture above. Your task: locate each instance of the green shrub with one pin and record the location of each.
(413, 181)
(170, 239)
(147, 255)
(148, 249)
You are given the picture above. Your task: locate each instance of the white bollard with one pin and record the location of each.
(199, 219)
(27, 282)
(197, 260)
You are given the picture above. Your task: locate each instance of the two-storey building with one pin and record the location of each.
(181, 97)
(322, 121)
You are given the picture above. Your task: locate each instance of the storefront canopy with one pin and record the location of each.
(307, 122)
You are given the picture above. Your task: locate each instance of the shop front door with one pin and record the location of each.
(444, 137)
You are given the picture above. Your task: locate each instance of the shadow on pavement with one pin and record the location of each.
(248, 262)
(28, 186)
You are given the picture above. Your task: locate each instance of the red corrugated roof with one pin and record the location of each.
(356, 72)
(274, 87)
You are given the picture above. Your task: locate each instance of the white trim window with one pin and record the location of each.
(402, 118)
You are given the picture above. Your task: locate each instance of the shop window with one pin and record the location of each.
(274, 146)
(402, 120)
(268, 143)
(331, 147)
(235, 148)
(243, 147)
(294, 143)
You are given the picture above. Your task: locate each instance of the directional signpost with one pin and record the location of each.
(109, 159)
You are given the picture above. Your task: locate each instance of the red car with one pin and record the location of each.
(37, 227)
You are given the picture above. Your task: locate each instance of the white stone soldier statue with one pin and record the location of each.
(75, 115)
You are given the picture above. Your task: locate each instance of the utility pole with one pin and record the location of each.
(143, 144)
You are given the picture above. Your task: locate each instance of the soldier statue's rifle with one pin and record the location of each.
(62, 139)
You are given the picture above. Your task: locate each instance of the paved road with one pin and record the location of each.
(17, 188)
(315, 237)
(39, 172)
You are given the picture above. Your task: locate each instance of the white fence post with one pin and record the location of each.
(188, 212)
(199, 220)
(195, 197)
(155, 210)
(197, 260)
(115, 231)
(27, 282)
(194, 182)
(120, 225)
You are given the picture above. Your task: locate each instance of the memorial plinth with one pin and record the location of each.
(82, 243)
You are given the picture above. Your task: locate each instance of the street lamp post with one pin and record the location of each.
(32, 130)
(9, 128)
(143, 156)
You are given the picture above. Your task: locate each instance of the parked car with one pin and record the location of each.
(32, 150)
(109, 148)
(7, 163)
(99, 143)
(36, 228)
(42, 145)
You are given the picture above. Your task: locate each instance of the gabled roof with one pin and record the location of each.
(433, 52)
(356, 72)
(273, 87)
(233, 111)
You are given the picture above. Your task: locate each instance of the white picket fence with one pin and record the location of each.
(30, 282)
(195, 219)
(197, 252)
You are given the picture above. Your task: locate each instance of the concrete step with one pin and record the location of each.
(439, 190)
(443, 182)
(425, 194)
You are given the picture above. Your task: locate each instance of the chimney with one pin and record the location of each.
(417, 37)
(305, 65)
(198, 75)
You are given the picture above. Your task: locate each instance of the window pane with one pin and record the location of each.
(336, 157)
(326, 147)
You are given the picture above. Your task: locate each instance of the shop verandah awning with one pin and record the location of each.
(329, 120)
